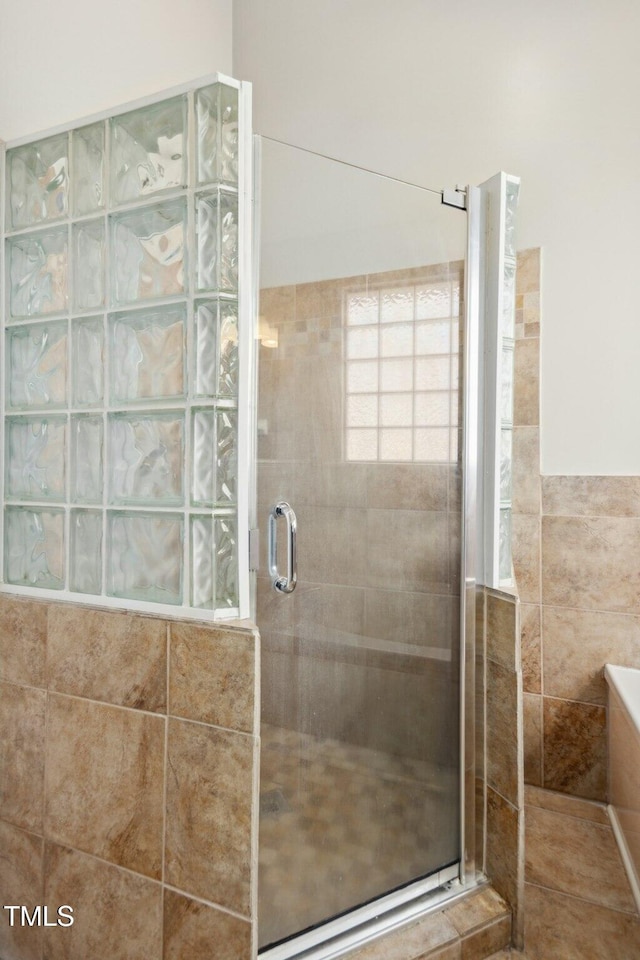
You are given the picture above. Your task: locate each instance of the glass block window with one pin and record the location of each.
(120, 329)
(402, 367)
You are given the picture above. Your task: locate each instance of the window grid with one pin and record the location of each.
(392, 335)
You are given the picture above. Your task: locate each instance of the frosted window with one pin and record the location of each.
(121, 354)
(402, 358)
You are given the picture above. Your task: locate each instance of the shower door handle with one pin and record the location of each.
(283, 584)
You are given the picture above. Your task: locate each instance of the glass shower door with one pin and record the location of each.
(359, 431)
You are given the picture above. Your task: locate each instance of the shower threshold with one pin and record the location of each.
(358, 927)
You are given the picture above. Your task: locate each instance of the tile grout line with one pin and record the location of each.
(165, 765)
(590, 903)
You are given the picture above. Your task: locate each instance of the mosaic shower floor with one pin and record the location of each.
(341, 824)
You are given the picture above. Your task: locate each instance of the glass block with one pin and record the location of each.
(215, 456)
(147, 354)
(396, 375)
(34, 547)
(362, 410)
(145, 459)
(148, 252)
(509, 300)
(148, 150)
(432, 444)
(216, 349)
(362, 444)
(85, 562)
(145, 556)
(362, 309)
(506, 461)
(396, 340)
(87, 351)
(511, 207)
(433, 409)
(35, 458)
(88, 265)
(396, 305)
(87, 149)
(396, 410)
(38, 273)
(433, 373)
(202, 555)
(217, 119)
(37, 365)
(86, 459)
(396, 444)
(504, 563)
(433, 301)
(362, 376)
(38, 182)
(226, 561)
(217, 239)
(362, 342)
(433, 337)
(506, 382)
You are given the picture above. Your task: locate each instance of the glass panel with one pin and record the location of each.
(506, 383)
(511, 200)
(88, 361)
(215, 456)
(145, 556)
(88, 277)
(360, 676)
(506, 571)
(217, 234)
(226, 546)
(148, 252)
(85, 574)
(216, 349)
(506, 443)
(147, 354)
(34, 547)
(202, 567)
(509, 302)
(38, 273)
(86, 459)
(146, 458)
(88, 169)
(37, 182)
(217, 118)
(35, 458)
(148, 150)
(37, 365)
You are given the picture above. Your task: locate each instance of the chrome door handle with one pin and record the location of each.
(283, 584)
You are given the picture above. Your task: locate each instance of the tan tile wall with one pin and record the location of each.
(129, 764)
(504, 754)
(578, 574)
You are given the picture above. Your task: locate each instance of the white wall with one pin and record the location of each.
(441, 92)
(65, 60)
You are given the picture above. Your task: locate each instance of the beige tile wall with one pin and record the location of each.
(128, 773)
(578, 575)
(504, 753)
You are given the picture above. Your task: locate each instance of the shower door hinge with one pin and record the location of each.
(455, 198)
(254, 549)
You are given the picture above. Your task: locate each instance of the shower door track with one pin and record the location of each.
(361, 925)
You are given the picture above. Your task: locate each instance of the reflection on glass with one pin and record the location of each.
(38, 181)
(148, 150)
(34, 547)
(145, 556)
(37, 371)
(38, 273)
(85, 575)
(148, 252)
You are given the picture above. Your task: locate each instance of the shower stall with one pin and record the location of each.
(372, 412)
(243, 380)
